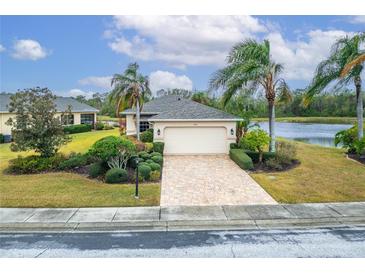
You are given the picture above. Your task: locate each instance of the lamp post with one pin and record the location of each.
(136, 191)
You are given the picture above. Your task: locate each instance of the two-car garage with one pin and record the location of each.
(195, 138)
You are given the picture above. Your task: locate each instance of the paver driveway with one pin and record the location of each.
(208, 180)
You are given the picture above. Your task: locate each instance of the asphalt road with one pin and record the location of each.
(328, 242)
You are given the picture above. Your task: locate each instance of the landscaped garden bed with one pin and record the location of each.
(249, 154)
(111, 159)
(71, 188)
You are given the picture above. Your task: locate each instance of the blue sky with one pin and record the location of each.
(77, 54)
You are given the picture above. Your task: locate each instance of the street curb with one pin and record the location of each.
(181, 218)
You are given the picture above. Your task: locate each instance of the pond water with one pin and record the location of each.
(319, 134)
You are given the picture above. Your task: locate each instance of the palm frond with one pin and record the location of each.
(250, 50)
(283, 92)
(356, 62)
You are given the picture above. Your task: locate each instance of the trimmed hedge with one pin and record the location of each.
(116, 175)
(77, 160)
(254, 155)
(158, 147)
(241, 158)
(77, 128)
(34, 164)
(2, 139)
(233, 146)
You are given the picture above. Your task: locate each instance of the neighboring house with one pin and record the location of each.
(185, 126)
(80, 113)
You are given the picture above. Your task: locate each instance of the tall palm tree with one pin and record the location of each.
(130, 89)
(342, 67)
(201, 97)
(250, 66)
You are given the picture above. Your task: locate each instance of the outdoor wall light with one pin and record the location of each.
(158, 132)
(232, 131)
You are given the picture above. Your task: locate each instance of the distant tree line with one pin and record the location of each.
(338, 104)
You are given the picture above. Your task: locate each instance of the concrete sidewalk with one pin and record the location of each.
(181, 217)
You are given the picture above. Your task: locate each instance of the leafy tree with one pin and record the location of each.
(250, 66)
(130, 89)
(340, 68)
(36, 126)
(256, 140)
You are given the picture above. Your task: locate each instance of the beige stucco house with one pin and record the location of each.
(185, 126)
(80, 113)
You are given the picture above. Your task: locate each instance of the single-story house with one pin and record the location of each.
(185, 126)
(80, 113)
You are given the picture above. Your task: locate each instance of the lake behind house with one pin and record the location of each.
(318, 134)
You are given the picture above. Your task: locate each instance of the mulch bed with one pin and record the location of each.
(355, 157)
(262, 168)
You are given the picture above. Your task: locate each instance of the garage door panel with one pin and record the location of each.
(190, 140)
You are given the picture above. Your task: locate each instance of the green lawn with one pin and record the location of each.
(61, 189)
(325, 175)
(106, 118)
(319, 120)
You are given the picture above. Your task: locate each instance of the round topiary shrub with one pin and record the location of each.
(149, 161)
(155, 166)
(144, 170)
(157, 159)
(148, 147)
(97, 169)
(116, 175)
(147, 136)
(155, 153)
(155, 175)
(144, 155)
(111, 146)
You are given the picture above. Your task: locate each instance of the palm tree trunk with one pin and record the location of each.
(272, 125)
(137, 118)
(359, 108)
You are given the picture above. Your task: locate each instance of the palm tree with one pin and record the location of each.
(131, 89)
(343, 66)
(250, 66)
(201, 97)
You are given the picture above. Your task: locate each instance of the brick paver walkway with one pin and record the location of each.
(208, 180)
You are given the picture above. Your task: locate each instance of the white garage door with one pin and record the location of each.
(195, 140)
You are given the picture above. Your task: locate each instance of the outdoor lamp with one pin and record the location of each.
(136, 191)
(232, 131)
(158, 132)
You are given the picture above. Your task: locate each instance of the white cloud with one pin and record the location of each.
(97, 81)
(76, 92)
(181, 40)
(358, 19)
(300, 57)
(27, 49)
(168, 80)
(2, 48)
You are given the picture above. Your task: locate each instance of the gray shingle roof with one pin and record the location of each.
(62, 104)
(173, 107)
